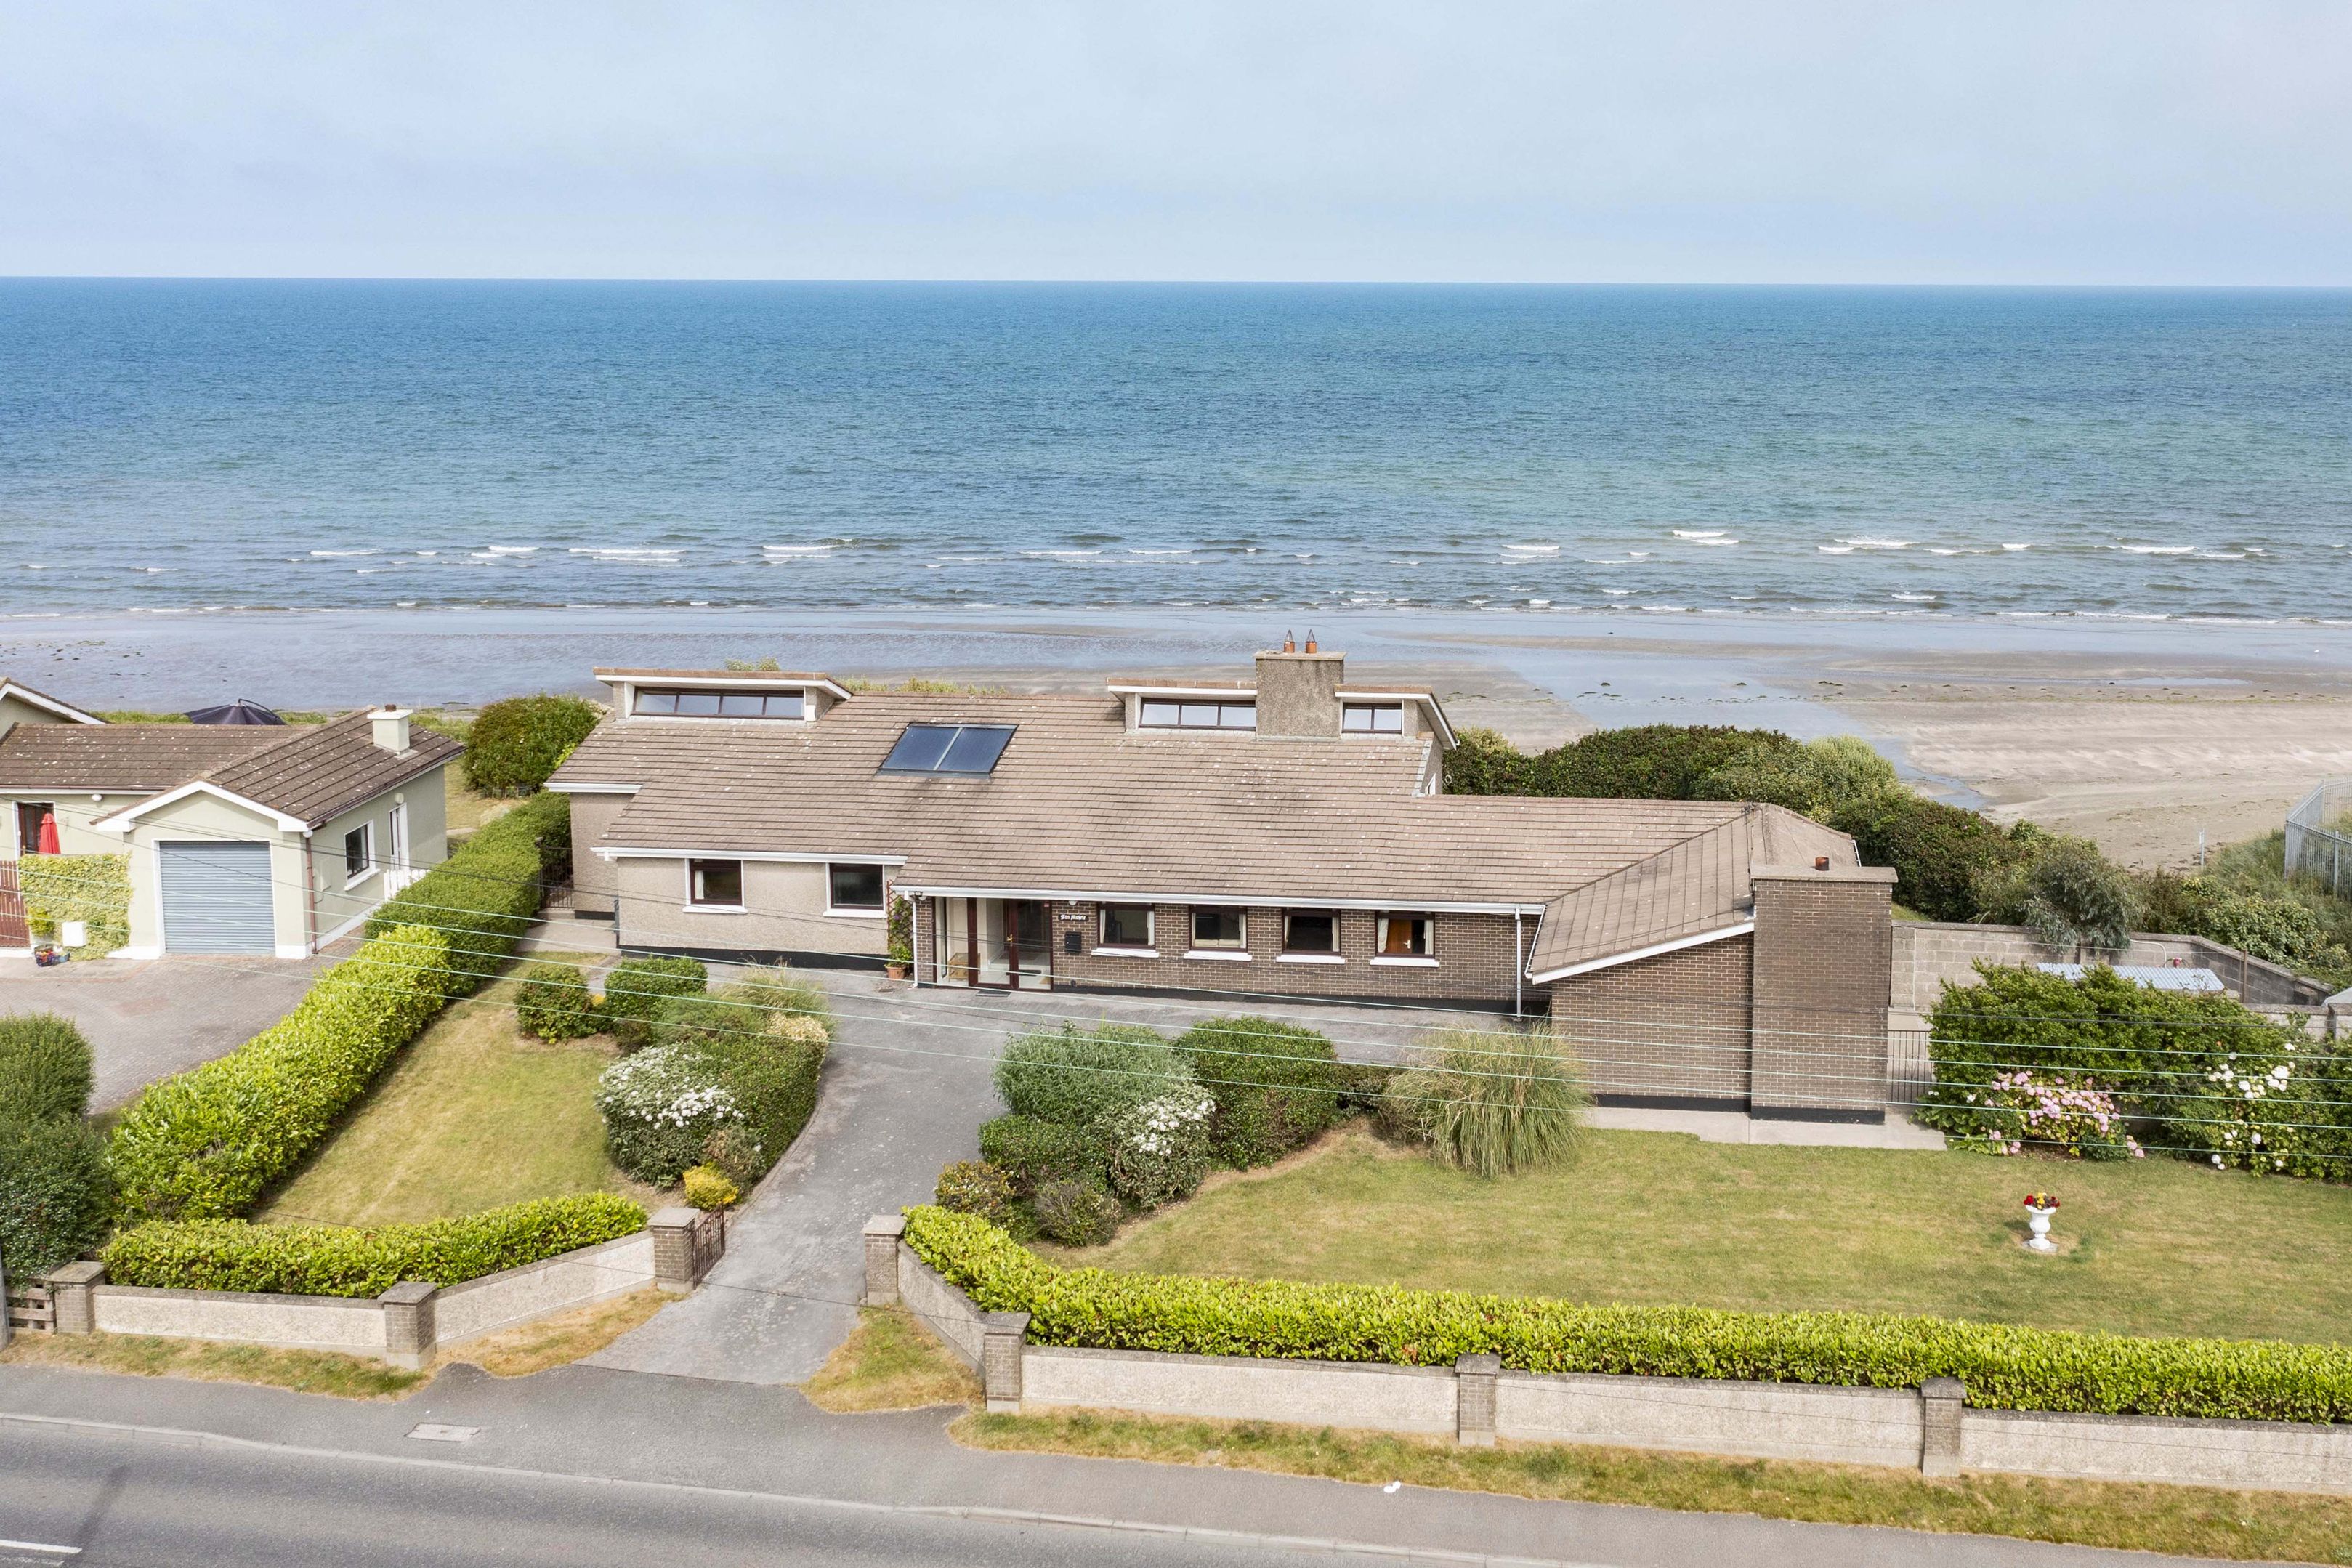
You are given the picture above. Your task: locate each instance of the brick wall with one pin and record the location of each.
(1475, 955)
(1824, 946)
(1672, 1028)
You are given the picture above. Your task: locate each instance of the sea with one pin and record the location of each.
(191, 448)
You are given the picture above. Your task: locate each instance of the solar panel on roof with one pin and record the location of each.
(966, 748)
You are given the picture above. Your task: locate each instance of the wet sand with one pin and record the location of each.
(2138, 735)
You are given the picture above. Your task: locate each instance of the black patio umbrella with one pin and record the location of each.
(237, 712)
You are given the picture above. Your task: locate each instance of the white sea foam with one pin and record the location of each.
(1537, 604)
(1526, 549)
(2157, 549)
(1180, 550)
(649, 555)
(1619, 592)
(792, 550)
(510, 550)
(1638, 554)
(1917, 599)
(1061, 554)
(1834, 548)
(1867, 541)
(324, 553)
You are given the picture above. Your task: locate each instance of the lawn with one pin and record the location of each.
(2149, 1246)
(474, 1114)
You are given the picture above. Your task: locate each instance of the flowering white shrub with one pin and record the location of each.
(661, 1107)
(2258, 1111)
(2025, 1112)
(1158, 1147)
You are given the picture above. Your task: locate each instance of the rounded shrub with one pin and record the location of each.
(976, 1187)
(708, 1187)
(1941, 853)
(660, 1108)
(554, 1003)
(1033, 1152)
(635, 988)
(1077, 1076)
(1277, 1085)
(1077, 1213)
(55, 1193)
(45, 1071)
(1157, 1150)
(513, 745)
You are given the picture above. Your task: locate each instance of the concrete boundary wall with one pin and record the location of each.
(1929, 1429)
(410, 1324)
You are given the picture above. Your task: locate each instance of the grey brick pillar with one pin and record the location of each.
(73, 1292)
(673, 1229)
(1000, 1360)
(1940, 1403)
(1474, 1399)
(882, 1233)
(408, 1329)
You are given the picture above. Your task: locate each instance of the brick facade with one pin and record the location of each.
(1824, 947)
(1666, 1030)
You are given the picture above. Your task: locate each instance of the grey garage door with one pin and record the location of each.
(216, 898)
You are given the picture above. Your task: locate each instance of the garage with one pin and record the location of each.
(216, 898)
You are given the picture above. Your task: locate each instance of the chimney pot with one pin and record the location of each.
(1820, 862)
(1310, 639)
(1289, 643)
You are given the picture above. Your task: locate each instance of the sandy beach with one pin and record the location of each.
(2142, 737)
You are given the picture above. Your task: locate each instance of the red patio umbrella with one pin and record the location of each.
(48, 836)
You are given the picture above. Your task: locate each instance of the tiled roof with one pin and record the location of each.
(1701, 885)
(1080, 805)
(307, 771)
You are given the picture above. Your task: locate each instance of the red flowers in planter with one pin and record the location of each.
(2042, 1202)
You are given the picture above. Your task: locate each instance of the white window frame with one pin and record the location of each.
(1233, 952)
(639, 693)
(873, 911)
(1182, 721)
(1425, 959)
(1375, 709)
(366, 830)
(1103, 944)
(696, 905)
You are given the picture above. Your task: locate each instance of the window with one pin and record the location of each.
(1373, 718)
(722, 704)
(1163, 715)
(854, 887)
(714, 884)
(359, 852)
(1310, 931)
(1405, 936)
(1126, 925)
(35, 818)
(971, 749)
(1218, 928)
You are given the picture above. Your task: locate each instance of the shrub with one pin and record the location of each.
(780, 992)
(1483, 763)
(1077, 1076)
(1941, 853)
(2003, 1367)
(1362, 1086)
(901, 932)
(554, 1003)
(1652, 762)
(1033, 1152)
(202, 1145)
(1503, 1101)
(709, 1188)
(2069, 894)
(55, 1193)
(92, 889)
(635, 986)
(976, 1187)
(1276, 1085)
(1077, 1213)
(337, 1260)
(2076, 1120)
(483, 896)
(1407, 1111)
(2276, 927)
(735, 1099)
(775, 1079)
(514, 745)
(1816, 778)
(44, 1074)
(1156, 1150)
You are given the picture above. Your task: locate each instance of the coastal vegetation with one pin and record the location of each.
(513, 745)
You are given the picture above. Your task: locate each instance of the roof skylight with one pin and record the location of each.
(969, 749)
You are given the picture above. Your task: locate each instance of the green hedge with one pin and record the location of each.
(484, 895)
(333, 1260)
(1941, 853)
(635, 987)
(202, 1145)
(2003, 1367)
(93, 888)
(1077, 1076)
(45, 1068)
(55, 1194)
(1277, 1085)
(554, 1003)
(513, 745)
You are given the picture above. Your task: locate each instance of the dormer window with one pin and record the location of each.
(674, 702)
(1165, 715)
(1372, 719)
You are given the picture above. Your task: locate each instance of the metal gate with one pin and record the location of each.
(216, 898)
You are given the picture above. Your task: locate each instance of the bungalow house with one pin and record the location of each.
(263, 839)
(1288, 837)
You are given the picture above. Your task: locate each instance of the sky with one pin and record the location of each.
(2143, 142)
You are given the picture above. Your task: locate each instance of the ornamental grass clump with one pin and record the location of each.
(1500, 1101)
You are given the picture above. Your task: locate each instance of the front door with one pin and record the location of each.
(1028, 947)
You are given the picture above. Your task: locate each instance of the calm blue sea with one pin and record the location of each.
(169, 446)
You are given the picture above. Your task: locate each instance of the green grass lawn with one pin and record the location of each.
(2151, 1246)
(474, 1114)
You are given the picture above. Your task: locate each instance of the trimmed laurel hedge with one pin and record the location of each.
(482, 898)
(333, 1260)
(202, 1145)
(2003, 1367)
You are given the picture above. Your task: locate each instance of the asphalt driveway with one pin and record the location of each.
(148, 1018)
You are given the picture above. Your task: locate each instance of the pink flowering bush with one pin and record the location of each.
(2022, 1112)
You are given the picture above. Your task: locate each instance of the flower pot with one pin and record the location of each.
(2039, 1220)
(895, 971)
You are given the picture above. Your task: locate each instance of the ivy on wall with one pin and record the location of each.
(92, 889)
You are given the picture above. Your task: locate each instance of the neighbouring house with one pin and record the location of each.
(262, 839)
(1288, 837)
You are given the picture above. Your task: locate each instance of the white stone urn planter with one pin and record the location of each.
(2037, 1219)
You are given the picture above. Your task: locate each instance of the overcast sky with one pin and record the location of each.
(1651, 141)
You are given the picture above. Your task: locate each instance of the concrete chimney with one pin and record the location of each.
(391, 727)
(1298, 694)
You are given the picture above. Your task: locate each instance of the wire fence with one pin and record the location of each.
(2319, 836)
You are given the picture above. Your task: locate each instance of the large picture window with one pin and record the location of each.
(1310, 931)
(1126, 925)
(1219, 927)
(714, 884)
(854, 887)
